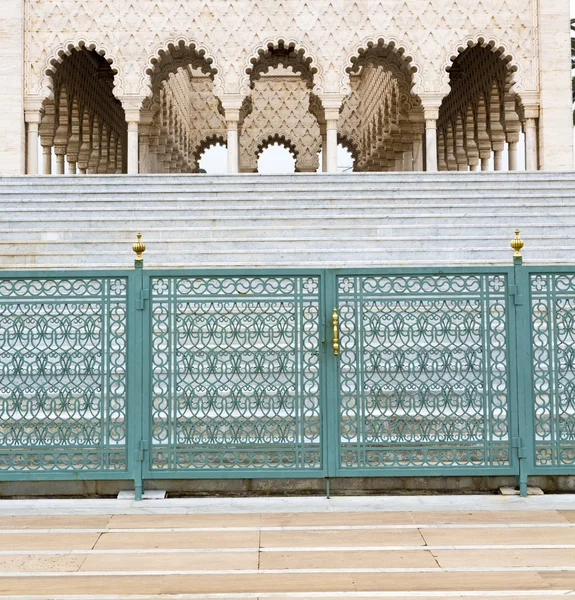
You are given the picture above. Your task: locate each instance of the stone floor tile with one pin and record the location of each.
(489, 516)
(183, 521)
(220, 539)
(180, 561)
(177, 584)
(499, 536)
(505, 558)
(437, 582)
(357, 559)
(349, 538)
(335, 519)
(54, 521)
(48, 541)
(40, 563)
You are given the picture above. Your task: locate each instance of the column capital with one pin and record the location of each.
(530, 104)
(232, 105)
(33, 110)
(332, 104)
(431, 101)
(132, 106)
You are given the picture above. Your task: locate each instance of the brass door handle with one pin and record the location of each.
(335, 319)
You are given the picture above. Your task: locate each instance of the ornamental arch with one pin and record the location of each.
(479, 119)
(381, 118)
(282, 106)
(182, 112)
(82, 124)
(324, 42)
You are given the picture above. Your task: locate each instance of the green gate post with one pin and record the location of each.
(520, 293)
(138, 446)
(332, 349)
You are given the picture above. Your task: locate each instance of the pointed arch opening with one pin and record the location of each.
(381, 119)
(479, 119)
(83, 127)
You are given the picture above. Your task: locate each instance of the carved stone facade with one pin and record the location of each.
(147, 86)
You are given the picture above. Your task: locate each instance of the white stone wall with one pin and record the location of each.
(11, 92)
(533, 36)
(330, 31)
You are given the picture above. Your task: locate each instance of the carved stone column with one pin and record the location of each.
(132, 106)
(530, 126)
(331, 105)
(232, 104)
(32, 116)
(431, 103)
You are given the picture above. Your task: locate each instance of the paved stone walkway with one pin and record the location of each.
(287, 548)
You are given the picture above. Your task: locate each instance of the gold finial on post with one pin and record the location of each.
(139, 248)
(517, 244)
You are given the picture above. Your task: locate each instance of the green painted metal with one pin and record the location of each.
(63, 376)
(143, 374)
(424, 373)
(552, 315)
(235, 375)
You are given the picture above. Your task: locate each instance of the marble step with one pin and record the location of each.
(297, 220)
(499, 233)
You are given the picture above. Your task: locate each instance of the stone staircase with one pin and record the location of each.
(286, 221)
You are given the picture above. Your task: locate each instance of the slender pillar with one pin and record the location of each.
(60, 161)
(512, 150)
(498, 160)
(418, 153)
(431, 101)
(72, 167)
(331, 146)
(233, 147)
(47, 160)
(132, 106)
(531, 159)
(331, 106)
(32, 148)
(232, 105)
(133, 148)
(323, 148)
(431, 144)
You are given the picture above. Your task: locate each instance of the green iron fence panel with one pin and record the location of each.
(424, 373)
(63, 369)
(235, 375)
(552, 310)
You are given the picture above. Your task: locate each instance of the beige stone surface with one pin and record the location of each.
(183, 521)
(497, 537)
(492, 558)
(55, 522)
(118, 555)
(391, 559)
(135, 540)
(48, 541)
(180, 561)
(352, 538)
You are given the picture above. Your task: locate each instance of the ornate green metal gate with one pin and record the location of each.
(424, 373)
(235, 375)
(211, 374)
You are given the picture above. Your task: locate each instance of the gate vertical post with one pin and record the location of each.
(331, 408)
(523, 443)
(137, 362)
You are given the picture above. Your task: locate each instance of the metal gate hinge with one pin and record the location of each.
(520, 447)
(514, 291)
(144, 295)
(142, 447)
